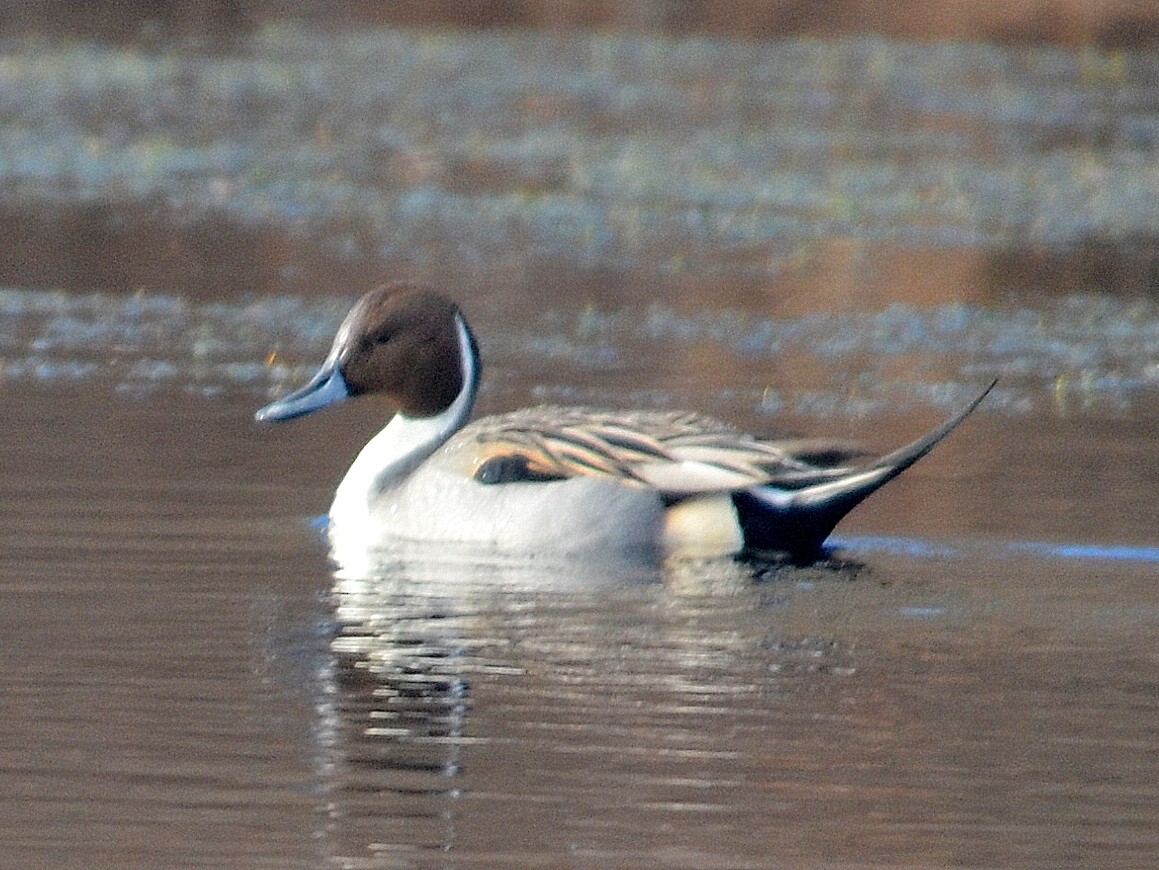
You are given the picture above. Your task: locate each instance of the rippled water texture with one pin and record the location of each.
(184, 682)
(846, 237)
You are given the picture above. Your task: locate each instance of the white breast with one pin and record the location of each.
(579, 515)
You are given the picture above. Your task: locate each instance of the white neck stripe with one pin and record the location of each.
(405, 442)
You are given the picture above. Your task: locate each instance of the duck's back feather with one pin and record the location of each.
(678, 454)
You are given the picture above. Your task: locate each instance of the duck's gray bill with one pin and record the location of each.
(326, 388)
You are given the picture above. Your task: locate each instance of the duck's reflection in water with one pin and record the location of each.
(459, 675)
(392, 719)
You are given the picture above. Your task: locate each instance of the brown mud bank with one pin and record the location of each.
(1107, 23)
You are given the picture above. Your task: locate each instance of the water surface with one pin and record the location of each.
(186, 683)
(846, 238)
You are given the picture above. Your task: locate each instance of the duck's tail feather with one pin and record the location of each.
(797, 520)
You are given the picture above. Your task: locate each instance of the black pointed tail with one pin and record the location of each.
(797, 521)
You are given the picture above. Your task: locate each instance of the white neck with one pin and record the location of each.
(405, 442)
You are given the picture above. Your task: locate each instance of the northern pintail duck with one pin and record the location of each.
(561, 479)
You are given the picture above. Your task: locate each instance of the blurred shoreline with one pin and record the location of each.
(1104, 23)
(314, 160)
(891, 220)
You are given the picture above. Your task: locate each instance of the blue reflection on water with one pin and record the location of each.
(1089, 551)
(928, 549)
